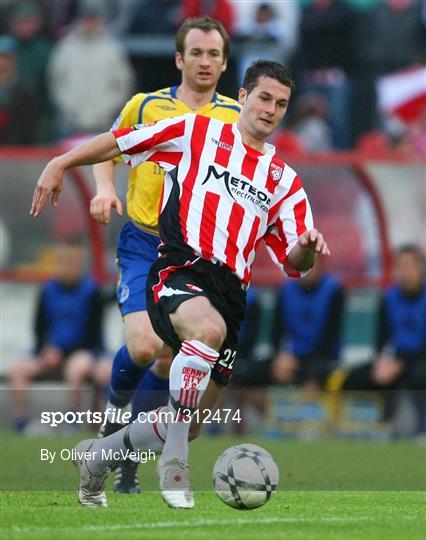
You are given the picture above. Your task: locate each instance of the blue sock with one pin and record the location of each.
(125, 377)
(151, 393)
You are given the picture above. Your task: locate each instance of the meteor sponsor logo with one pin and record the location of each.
(238, 188)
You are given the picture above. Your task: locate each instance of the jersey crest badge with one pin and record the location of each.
(276, 172)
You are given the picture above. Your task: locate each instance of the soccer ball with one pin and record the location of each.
(245, 476)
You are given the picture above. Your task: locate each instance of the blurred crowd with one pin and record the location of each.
(65, 69)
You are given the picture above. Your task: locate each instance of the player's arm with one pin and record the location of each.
(309, 244)
(101, 148)
(162, 143)
(106, 196)
(104, 173)
(292, 239)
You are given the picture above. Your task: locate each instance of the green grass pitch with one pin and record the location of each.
(328, 490)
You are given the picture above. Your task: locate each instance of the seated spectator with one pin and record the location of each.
(311, 329)
(68, 334)
(19, 111)
(90, 76)
(310, 125)
(400, 360)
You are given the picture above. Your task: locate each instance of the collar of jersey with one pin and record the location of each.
(174, 96)
(270, 148)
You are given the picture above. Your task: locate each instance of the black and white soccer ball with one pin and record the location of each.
(245, 476)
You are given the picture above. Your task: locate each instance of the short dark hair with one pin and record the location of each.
(205, 24)
(266, 68)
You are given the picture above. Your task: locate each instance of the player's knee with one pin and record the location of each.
(211, 332)
(79, 366)
(142, 351)
(76, 374)
(214, 336)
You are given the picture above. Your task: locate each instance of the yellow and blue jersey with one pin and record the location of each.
(146, 181)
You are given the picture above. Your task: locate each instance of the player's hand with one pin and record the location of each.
(314, 241)
(101, 204)
(49, 185)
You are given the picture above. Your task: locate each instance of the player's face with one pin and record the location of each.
(409, 272)
(70, 263)
(264, 107)
(202, 62)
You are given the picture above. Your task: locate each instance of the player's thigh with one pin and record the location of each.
(209, 400)
(136, 252)
(196, 318)
(79, 365)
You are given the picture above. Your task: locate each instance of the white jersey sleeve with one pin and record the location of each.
(161, 142)
(293, 219)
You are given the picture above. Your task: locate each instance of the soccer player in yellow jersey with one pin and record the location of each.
(202, 46)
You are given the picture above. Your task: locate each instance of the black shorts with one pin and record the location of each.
(197, 277)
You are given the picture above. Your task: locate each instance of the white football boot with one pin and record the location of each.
(91, 491)
(174, 483)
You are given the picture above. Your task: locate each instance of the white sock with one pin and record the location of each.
(143, 436)
(189, 377)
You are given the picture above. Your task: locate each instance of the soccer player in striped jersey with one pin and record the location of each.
(225, 192)
(202, 46)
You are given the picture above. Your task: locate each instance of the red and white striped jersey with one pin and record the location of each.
(221, 198)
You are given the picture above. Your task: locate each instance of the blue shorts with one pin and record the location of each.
(136, 252)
